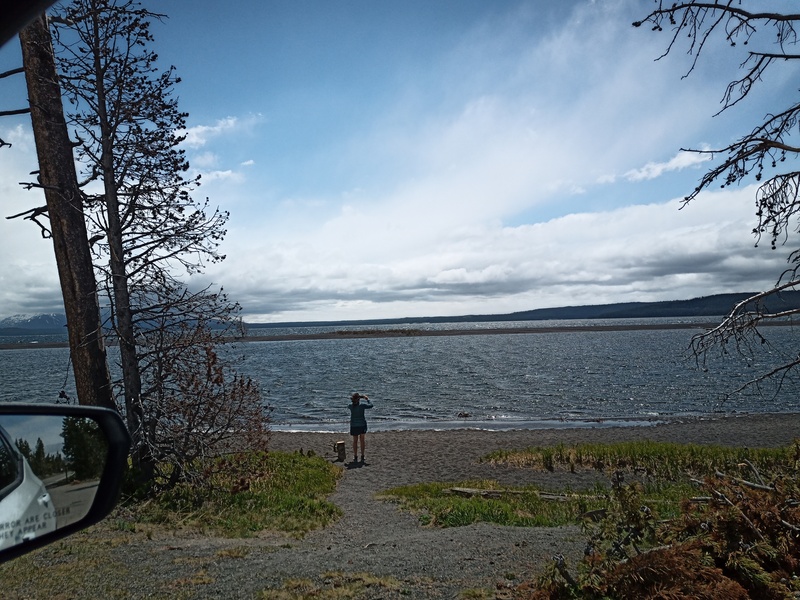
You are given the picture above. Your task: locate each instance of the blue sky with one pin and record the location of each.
(390, 159)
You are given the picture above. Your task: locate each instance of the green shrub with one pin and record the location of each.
(252, 492)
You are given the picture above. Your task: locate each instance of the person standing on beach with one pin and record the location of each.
(358, 423)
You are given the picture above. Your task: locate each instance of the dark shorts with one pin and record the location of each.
(358, 429)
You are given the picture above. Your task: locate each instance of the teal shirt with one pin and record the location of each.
(357, 418)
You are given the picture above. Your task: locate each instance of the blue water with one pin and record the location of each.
(497, 381)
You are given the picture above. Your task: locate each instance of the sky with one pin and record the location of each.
(414, 158)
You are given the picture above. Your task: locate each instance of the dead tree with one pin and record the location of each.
(149, 229)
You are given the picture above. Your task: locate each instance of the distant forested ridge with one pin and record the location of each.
(706, 306)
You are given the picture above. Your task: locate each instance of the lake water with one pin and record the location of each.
(497, 381)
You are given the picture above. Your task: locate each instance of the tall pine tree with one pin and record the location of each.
(146, 228)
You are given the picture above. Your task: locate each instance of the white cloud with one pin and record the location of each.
(29, 281)
(20, 138)
(472, 183)
(204, 160)
(521, 124)
(225, 175)
(198, 136)
(643, 252)
(682, 160)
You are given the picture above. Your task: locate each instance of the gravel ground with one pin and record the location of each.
(375, 537)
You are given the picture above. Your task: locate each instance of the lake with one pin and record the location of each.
(498, 381)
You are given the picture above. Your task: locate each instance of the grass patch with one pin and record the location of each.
(334, 586)
(199, 578)
(437, 505)
(281, 492)
(661, 460)
(238, 552)
(736, 538)
(80, 566)
(663, 473)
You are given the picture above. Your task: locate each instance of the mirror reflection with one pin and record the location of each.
(50, 468)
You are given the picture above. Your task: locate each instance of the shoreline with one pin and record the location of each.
(346, 334)
(490, 426)
(416, 456)
(389, 333)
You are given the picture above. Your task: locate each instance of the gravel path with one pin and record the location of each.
(375, 537)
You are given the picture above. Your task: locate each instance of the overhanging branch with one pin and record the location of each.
(12, 72)
(19, 111)
(33, 214)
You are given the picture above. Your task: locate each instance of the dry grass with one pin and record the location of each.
(336, 586)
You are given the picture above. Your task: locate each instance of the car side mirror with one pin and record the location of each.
(61, 468)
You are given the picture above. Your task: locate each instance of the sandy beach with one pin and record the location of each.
(403, 457)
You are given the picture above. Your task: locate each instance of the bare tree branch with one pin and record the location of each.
(759, 155)
(19, 111)
(11, 72)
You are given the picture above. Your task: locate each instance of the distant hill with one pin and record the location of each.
(51, 324)
(706, 306)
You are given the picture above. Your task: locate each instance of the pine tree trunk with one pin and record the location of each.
(132, 382)
(67, 225)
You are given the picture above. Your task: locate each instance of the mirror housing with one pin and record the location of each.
(33, 506)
